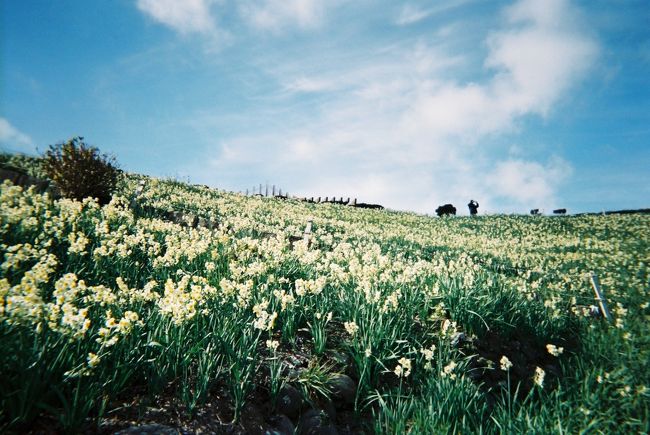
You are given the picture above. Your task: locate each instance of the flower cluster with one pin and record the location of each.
(403, 368)
(92, 276)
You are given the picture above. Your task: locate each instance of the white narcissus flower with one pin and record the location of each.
(93, 360)
(406, 364)
(539, 376)
(272, 344)
(554, 350)
(351, 328)
(448, 370)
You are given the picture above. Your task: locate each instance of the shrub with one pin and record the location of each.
(81, 171)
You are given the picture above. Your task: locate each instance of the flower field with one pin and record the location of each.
(461, 325)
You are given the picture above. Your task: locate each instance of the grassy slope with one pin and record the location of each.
(205, 304)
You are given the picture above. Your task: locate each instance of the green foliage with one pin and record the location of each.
(32, 166)
(443, 405)
(314, 381)
(488, 306)
(80, 171)
(213, 305)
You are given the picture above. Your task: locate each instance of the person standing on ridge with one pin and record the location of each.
(473, 207)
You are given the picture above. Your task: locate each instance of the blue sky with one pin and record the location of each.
(517, 104)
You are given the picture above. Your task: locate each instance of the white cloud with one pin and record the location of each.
(539, 56)
(184, 16)
(276, 15)
(195, 16)
(307, 84)
(401, 131)
(528, 182)
(11, 139)
(411, 14)
(536, 59)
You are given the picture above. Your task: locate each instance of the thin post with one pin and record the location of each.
(138, 192)
(140, 187)
(260, 189)
(273, 190)
(307, 233)
(246, 192)
(600, 297)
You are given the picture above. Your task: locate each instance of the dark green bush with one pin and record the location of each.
(81, 171)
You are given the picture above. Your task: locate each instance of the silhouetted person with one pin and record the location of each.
(473, 207)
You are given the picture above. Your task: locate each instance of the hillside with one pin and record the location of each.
(202, 310)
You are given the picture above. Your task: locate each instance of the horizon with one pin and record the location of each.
(269, 191)
(517, 104)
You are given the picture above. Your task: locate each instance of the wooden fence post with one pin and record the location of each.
(600, 297)
(307, 233)
(138, 192)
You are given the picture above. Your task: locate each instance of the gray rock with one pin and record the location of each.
(329, 409)
(316, 422)
(289, 401)
(280, 425)
(340, 357)
(344, 390)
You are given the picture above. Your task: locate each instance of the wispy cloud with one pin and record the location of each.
(12, 139)
(412, 14)
(308, 84)
(275, 15)
(198, 17)
(186, 16)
